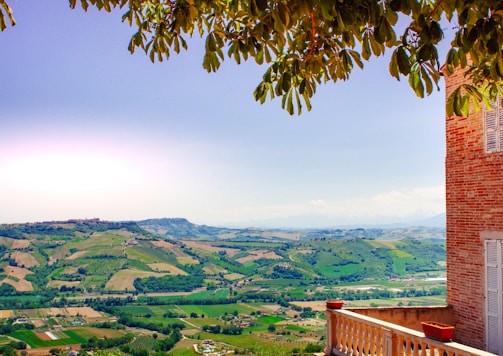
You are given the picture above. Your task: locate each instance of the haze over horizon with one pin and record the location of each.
(88, 130)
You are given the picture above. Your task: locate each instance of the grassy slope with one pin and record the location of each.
(105, 259)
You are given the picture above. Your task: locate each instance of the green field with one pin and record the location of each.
(248, 341)
(296, 328)
(23, 298)
(66, 337)
(210, 294)
(31, 339)
(214, 311)
(143, 342)
(221, 293)
(151, 255)
(269, 319)
(136, 310)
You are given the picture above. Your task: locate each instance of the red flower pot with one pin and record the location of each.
(437, 331)
(334, 304)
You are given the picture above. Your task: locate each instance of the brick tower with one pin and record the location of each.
(474, 188)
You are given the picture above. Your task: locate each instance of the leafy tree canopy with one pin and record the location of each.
(308, 42)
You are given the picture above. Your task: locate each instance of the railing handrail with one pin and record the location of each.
(403, 333)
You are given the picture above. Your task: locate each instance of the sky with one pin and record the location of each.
(88, 130)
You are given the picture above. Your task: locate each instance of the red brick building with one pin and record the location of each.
(474, 186)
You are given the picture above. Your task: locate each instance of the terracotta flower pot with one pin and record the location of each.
(334, 304)
(437, 331)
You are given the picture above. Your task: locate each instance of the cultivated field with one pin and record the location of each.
(181, 257)
(257, 254)
(86, 312)
(123, 279)
(5, 314)
(20, 244)
(71, 336)
(213, 269)
(316, 306)
(17, 272)
(20, 285)
(234, 276)
(164, 244)
(208, 247)
(76, 255)
(24, 259)
(14, 243)
(166, 267)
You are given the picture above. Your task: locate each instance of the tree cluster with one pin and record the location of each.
(94, 343)
(227, 330)
(168, 284)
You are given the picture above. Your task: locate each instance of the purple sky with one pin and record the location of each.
(89, 130)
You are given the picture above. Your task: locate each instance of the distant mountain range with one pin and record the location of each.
(321, 221)
(180, 228)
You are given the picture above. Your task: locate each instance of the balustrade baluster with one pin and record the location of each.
(433, 351)
(360, 340)
(416, 347)
(401, 345)
(372, 340)
(341, 333)
(424, 347)
(356, 338)
(345, 345)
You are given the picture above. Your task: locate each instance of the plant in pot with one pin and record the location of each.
(334, 304)
(437, 331)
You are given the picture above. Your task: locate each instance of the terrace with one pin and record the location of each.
(390, 331)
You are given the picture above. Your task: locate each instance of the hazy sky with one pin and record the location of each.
(89, 130)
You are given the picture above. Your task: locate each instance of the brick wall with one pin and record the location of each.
(474, 188)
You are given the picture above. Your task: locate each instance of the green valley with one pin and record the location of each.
(172, 281)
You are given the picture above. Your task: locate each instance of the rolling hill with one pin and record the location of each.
(174, 255)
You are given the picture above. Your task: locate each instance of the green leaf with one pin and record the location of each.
(289, 105)
(499, 66)
(299, 104)
(393, 66)
(452, 57)
(403, 61)
(405, 7)
(258, 94)
(427, 80)
(3, 25)
(284, 14)
(416, 83)
(84, 4)
(210, 43)
(391, 17)
(325, 10)
(308, 102)
(254, 8)
(286, 81)
(5, 8)
(302, 86)
(493, 46)
(261, 5)
(356, 57)
(259, 57)
(377, 48)
(366, 48)
(425, 52)
(436, 32)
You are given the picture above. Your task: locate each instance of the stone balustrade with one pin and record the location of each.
(349, 333)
